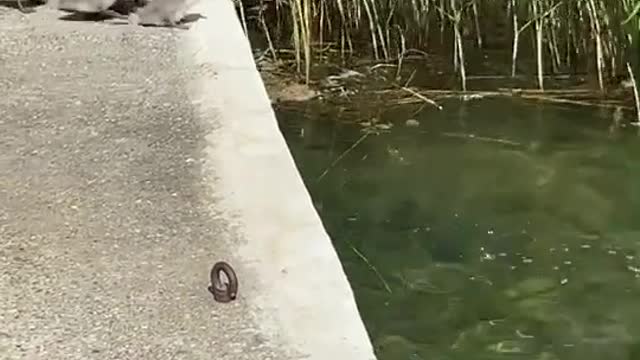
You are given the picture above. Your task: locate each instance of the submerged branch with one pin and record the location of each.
(326, 171)
(373, 268)
(482, 138)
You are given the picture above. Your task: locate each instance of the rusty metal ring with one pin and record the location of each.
(223, 292)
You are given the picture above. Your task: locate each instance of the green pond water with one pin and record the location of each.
(496, 229)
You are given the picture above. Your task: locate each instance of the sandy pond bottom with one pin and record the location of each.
(494, 229)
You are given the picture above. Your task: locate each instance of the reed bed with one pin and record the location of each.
(594, 36)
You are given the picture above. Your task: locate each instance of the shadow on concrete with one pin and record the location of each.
(91, 16)
(119, 10)
(11, 4)
(93, 10)
(109, 15)
(187, 19)
(29, 5)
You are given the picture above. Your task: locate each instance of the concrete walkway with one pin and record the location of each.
(131, 160)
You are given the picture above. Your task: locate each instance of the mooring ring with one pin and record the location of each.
(223, 292)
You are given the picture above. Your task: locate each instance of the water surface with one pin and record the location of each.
(496, 229)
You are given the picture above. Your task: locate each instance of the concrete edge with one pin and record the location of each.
(301, 295)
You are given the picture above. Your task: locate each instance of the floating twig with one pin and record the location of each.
(530, 94)
(574, 102)
(498, 76)
(376, 66)
(548, 91)
(422, 97)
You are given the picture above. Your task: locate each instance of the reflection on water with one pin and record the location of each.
(494, 229)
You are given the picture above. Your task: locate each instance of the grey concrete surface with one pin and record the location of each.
(132, 159)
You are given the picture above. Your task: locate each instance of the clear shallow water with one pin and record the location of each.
(519, 243)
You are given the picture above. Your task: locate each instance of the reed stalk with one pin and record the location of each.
(565, 33)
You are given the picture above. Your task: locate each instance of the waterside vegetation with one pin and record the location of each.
(596, 38)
